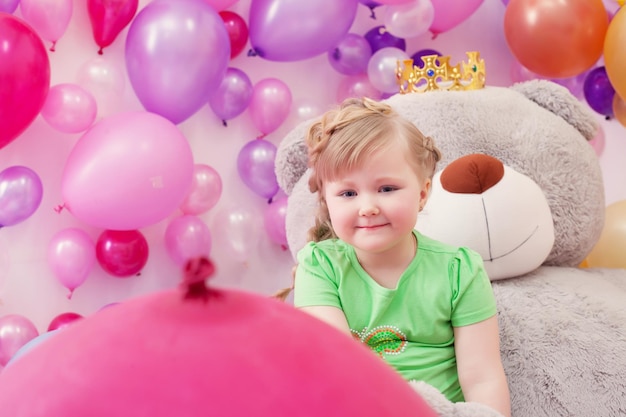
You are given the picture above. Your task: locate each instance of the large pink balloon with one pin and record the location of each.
(177, 53)
(296, 30)
(128, 171)
(24, 77)
(450, 13)
(15, 332)
(232, 354)
(50, 18)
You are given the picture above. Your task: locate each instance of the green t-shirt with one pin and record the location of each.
(411, 326)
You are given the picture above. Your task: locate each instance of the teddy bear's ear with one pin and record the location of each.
(560, 101)
(292, 157)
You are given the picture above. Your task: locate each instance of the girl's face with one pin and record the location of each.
(374, 207)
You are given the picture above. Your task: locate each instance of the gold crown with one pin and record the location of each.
(438, 74)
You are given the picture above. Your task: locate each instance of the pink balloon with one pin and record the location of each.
(105, 80)
(357, 86)
(8, 6)
(187, 237)
(206, 190)
(69, 108)
(71, 256)
(277, 32)
(21, 192)
(391, 2)
(128, 171)
(220, 5)
(270, 104)
(15, 332)
(24, 77)
(176, 53)
(109, 17)
(409, 20)
(49, 18)
(238, 230)
(63, 320)
(381, 68)
(450, 13)
(274, 221)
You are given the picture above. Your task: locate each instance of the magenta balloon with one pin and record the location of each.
(71, 256)
(128, 171)
(270, 104)
(69, 108)
(15, 332)
(63, 320)
(274, 221)
(24, 77)
(255, 164)
(187, 237)
(206, 190)
(351, 55)
(177, 53)
(295, 30)
(450, 13)
(122, 253)
(21, 192)
(233, 95)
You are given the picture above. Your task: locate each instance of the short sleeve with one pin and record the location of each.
(472, 296)
(316, 283)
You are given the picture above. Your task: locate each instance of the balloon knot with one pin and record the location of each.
(372, 13)
(435, 34)
(59, 208)
(197, 271)
(69, 294)
(607, 117)
(284, 247)
(261, 136)
(100, 51)
(53, 46)
(252, 52)
(224, 123)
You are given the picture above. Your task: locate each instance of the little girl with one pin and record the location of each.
(425, 307)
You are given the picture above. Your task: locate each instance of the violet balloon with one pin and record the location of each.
(417, 56)
(381, 69)
(71, 256)
(270, 104)
(15, 331)
(277, 32)
(378, 38)
(255, 164)
(176, 53)
(206, 190)
(8, 6)
(232, 96)
(187, 237)
(21, 192)
(69, 108)
(599, 92)
(351, 55)
(128, 171)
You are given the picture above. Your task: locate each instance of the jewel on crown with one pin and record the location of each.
(438, 74)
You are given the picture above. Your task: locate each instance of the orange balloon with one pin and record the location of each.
(619, 108)
(615, 52)
(556, 38)
(609, 251)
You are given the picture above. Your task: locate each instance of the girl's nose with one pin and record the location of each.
(368, 209)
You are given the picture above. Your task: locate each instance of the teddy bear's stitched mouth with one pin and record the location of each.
(522, 243)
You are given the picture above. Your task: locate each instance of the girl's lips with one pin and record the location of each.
(371, 227)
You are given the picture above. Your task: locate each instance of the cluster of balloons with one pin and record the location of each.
(565, 39)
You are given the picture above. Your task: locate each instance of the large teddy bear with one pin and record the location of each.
(563, 328)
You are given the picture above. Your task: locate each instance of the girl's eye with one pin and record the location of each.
(348, 194)
(387, 189)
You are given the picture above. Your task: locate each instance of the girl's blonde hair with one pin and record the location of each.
(344, 137)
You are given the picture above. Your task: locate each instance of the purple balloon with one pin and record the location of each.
(233, 95)
(255, 164)
(417, 56)
(295, 30)
(8, 6)
(21, 191)
(599, 92)
(177, 53)
(351, 55)
(379, 38)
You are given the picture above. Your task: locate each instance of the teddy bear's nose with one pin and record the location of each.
(472, 174)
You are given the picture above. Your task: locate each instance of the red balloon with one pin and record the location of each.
(63, 320)
(556, 38)
(109, 17)
(122, 253)
(24, 77)
(237, 31)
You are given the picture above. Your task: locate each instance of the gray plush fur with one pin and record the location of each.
(563, 329)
